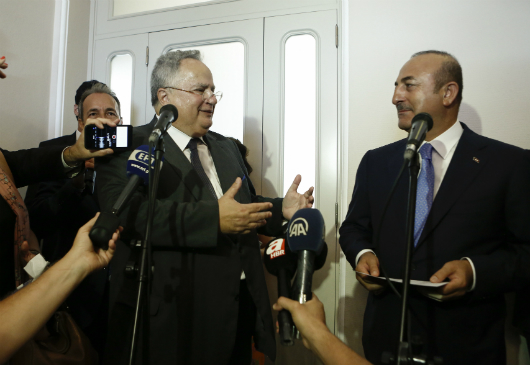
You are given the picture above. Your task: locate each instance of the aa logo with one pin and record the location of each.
(298, 227)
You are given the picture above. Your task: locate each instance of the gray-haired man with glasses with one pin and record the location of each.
(209, 297)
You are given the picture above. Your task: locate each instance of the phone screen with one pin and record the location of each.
(108, 137)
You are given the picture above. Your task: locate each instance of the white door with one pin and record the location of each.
(300, 132)
(121, 64)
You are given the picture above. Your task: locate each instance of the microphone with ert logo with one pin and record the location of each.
(138, 173)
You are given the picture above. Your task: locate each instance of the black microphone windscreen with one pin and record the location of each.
(306, 231)
(170, 109)
(278, 256)
(425, 117)
(320, 260)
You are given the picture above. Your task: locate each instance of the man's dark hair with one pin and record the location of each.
(98, 88)
(450, 70)
(165, 71)
(84, 87)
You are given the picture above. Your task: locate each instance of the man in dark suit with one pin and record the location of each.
(474, 234)
(57, 209)
(208, 288)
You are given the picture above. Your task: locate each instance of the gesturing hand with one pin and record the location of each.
(240, 218)
(294, 201)
(460, 275)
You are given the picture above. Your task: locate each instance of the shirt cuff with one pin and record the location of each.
(71, 171)
(360, 254)
(474, 273)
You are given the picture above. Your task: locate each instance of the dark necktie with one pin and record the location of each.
(196, 162)
(424, 194)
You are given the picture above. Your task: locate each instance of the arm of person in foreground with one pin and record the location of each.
(26, 311)
(310, 320)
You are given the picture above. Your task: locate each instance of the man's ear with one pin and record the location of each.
(76, 110)
(80, 125)
(163, 96)
(450, 92)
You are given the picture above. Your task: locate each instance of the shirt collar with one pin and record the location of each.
(181, 138)
(447, 141)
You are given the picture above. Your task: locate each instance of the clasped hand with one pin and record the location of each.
(236, 218)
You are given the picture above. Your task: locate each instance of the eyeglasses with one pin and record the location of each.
(205, 96)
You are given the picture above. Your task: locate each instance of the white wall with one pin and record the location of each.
(26, 38)
(76, 58)
(489, 38)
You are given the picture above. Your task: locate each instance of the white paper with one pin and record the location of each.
(420, 283)
(35, 267)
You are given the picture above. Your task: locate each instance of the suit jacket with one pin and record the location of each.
(28, 167)
(57, 209)
(481, 211)
(195, 285)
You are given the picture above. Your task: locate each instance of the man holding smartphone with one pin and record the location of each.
(57, 209)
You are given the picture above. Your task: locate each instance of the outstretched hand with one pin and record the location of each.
(3, 66)
(294, 201)
(240, 218)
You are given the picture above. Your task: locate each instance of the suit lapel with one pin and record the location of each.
(224, 161)
(460, 174)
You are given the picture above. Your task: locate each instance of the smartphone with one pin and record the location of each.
(108, 137)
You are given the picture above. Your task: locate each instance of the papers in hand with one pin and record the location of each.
(412, 282)
(424, 287)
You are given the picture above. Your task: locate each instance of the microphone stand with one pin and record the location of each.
(408, 351)
(145, 269)
(404, 346)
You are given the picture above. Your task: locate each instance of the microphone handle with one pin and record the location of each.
(285, 321)
(304, 276)
(134, 182)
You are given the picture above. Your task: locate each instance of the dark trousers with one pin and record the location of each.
(242, 352)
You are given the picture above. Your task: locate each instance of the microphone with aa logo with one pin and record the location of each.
(138, 173)
(281, 262)
(306, 238)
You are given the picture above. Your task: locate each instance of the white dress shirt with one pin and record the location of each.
(444, 147)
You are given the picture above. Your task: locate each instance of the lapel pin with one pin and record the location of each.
(476, 160)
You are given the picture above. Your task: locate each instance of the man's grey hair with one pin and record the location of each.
(450, 70)
(166, 69)
(98, 88)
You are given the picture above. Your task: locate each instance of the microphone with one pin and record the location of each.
(138, 173)
(168, 114)
(306, 237)
(281, 262)
(421, 124)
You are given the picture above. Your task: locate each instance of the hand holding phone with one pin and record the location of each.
(116, 137)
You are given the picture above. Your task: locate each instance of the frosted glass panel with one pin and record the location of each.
(227, 63)
(121, 74)
(299, 142)
(123, 7)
